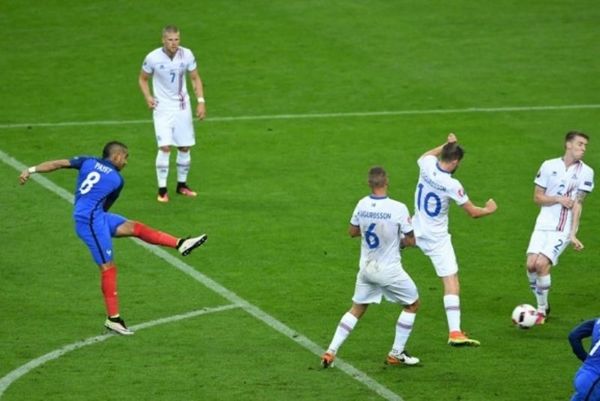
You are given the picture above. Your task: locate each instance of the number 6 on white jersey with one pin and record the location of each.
(371, 237)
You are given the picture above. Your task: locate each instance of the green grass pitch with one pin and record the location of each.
(302, 98)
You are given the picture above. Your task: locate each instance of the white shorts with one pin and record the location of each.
(549, 243)
(441, 254)
(394, 284)
(174, 127)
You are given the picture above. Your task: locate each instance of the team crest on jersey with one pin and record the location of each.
(554, 173)
(162, 67)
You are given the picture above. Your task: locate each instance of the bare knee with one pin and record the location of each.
(542, 266)
(539, 263)
(414, 307)
(531, 262)
(358, 310)
(126, 229)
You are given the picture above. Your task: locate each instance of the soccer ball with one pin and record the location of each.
(524, 316)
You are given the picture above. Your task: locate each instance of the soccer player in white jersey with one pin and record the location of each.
(384, 227)
(170, 102)
(435, 189)
(561, 185)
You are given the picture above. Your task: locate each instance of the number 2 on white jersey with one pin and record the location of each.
(89, 182)
(428, 197)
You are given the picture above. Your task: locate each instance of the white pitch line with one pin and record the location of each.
(506, 109)
(235, 299)
(22, 370)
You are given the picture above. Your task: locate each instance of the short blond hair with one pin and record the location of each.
(377, 177)
(170, 29)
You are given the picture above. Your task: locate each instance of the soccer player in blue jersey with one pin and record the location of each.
(99, 184)
(587, 378)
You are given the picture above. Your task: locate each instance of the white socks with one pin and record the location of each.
(541, 292)
(162, 168)
(452, 306)
(532, 278)
(342, 332)
(404, 326)
(184, 160)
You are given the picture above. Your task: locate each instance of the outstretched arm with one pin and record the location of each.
(577, 208)
(437, 151)
(476, 211)
(44, 167)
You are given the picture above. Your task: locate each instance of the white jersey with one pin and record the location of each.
(382, 221)
(557, 180)
(432, 198)
(168, 77)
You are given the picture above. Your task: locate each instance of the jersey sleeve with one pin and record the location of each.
(426, 160)
(147, 66)
(541, 178)
(354, 219)
(192, 61)
(577, 335)
(77, 161)
(587, 182)
(404, 219)
(457, 193)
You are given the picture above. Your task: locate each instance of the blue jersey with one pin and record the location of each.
(587, 378)
(98, 186)
(587, 329)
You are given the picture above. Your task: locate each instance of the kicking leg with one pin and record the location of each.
(152, 236)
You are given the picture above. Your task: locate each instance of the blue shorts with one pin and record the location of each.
(587, 386)
(97, 235)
